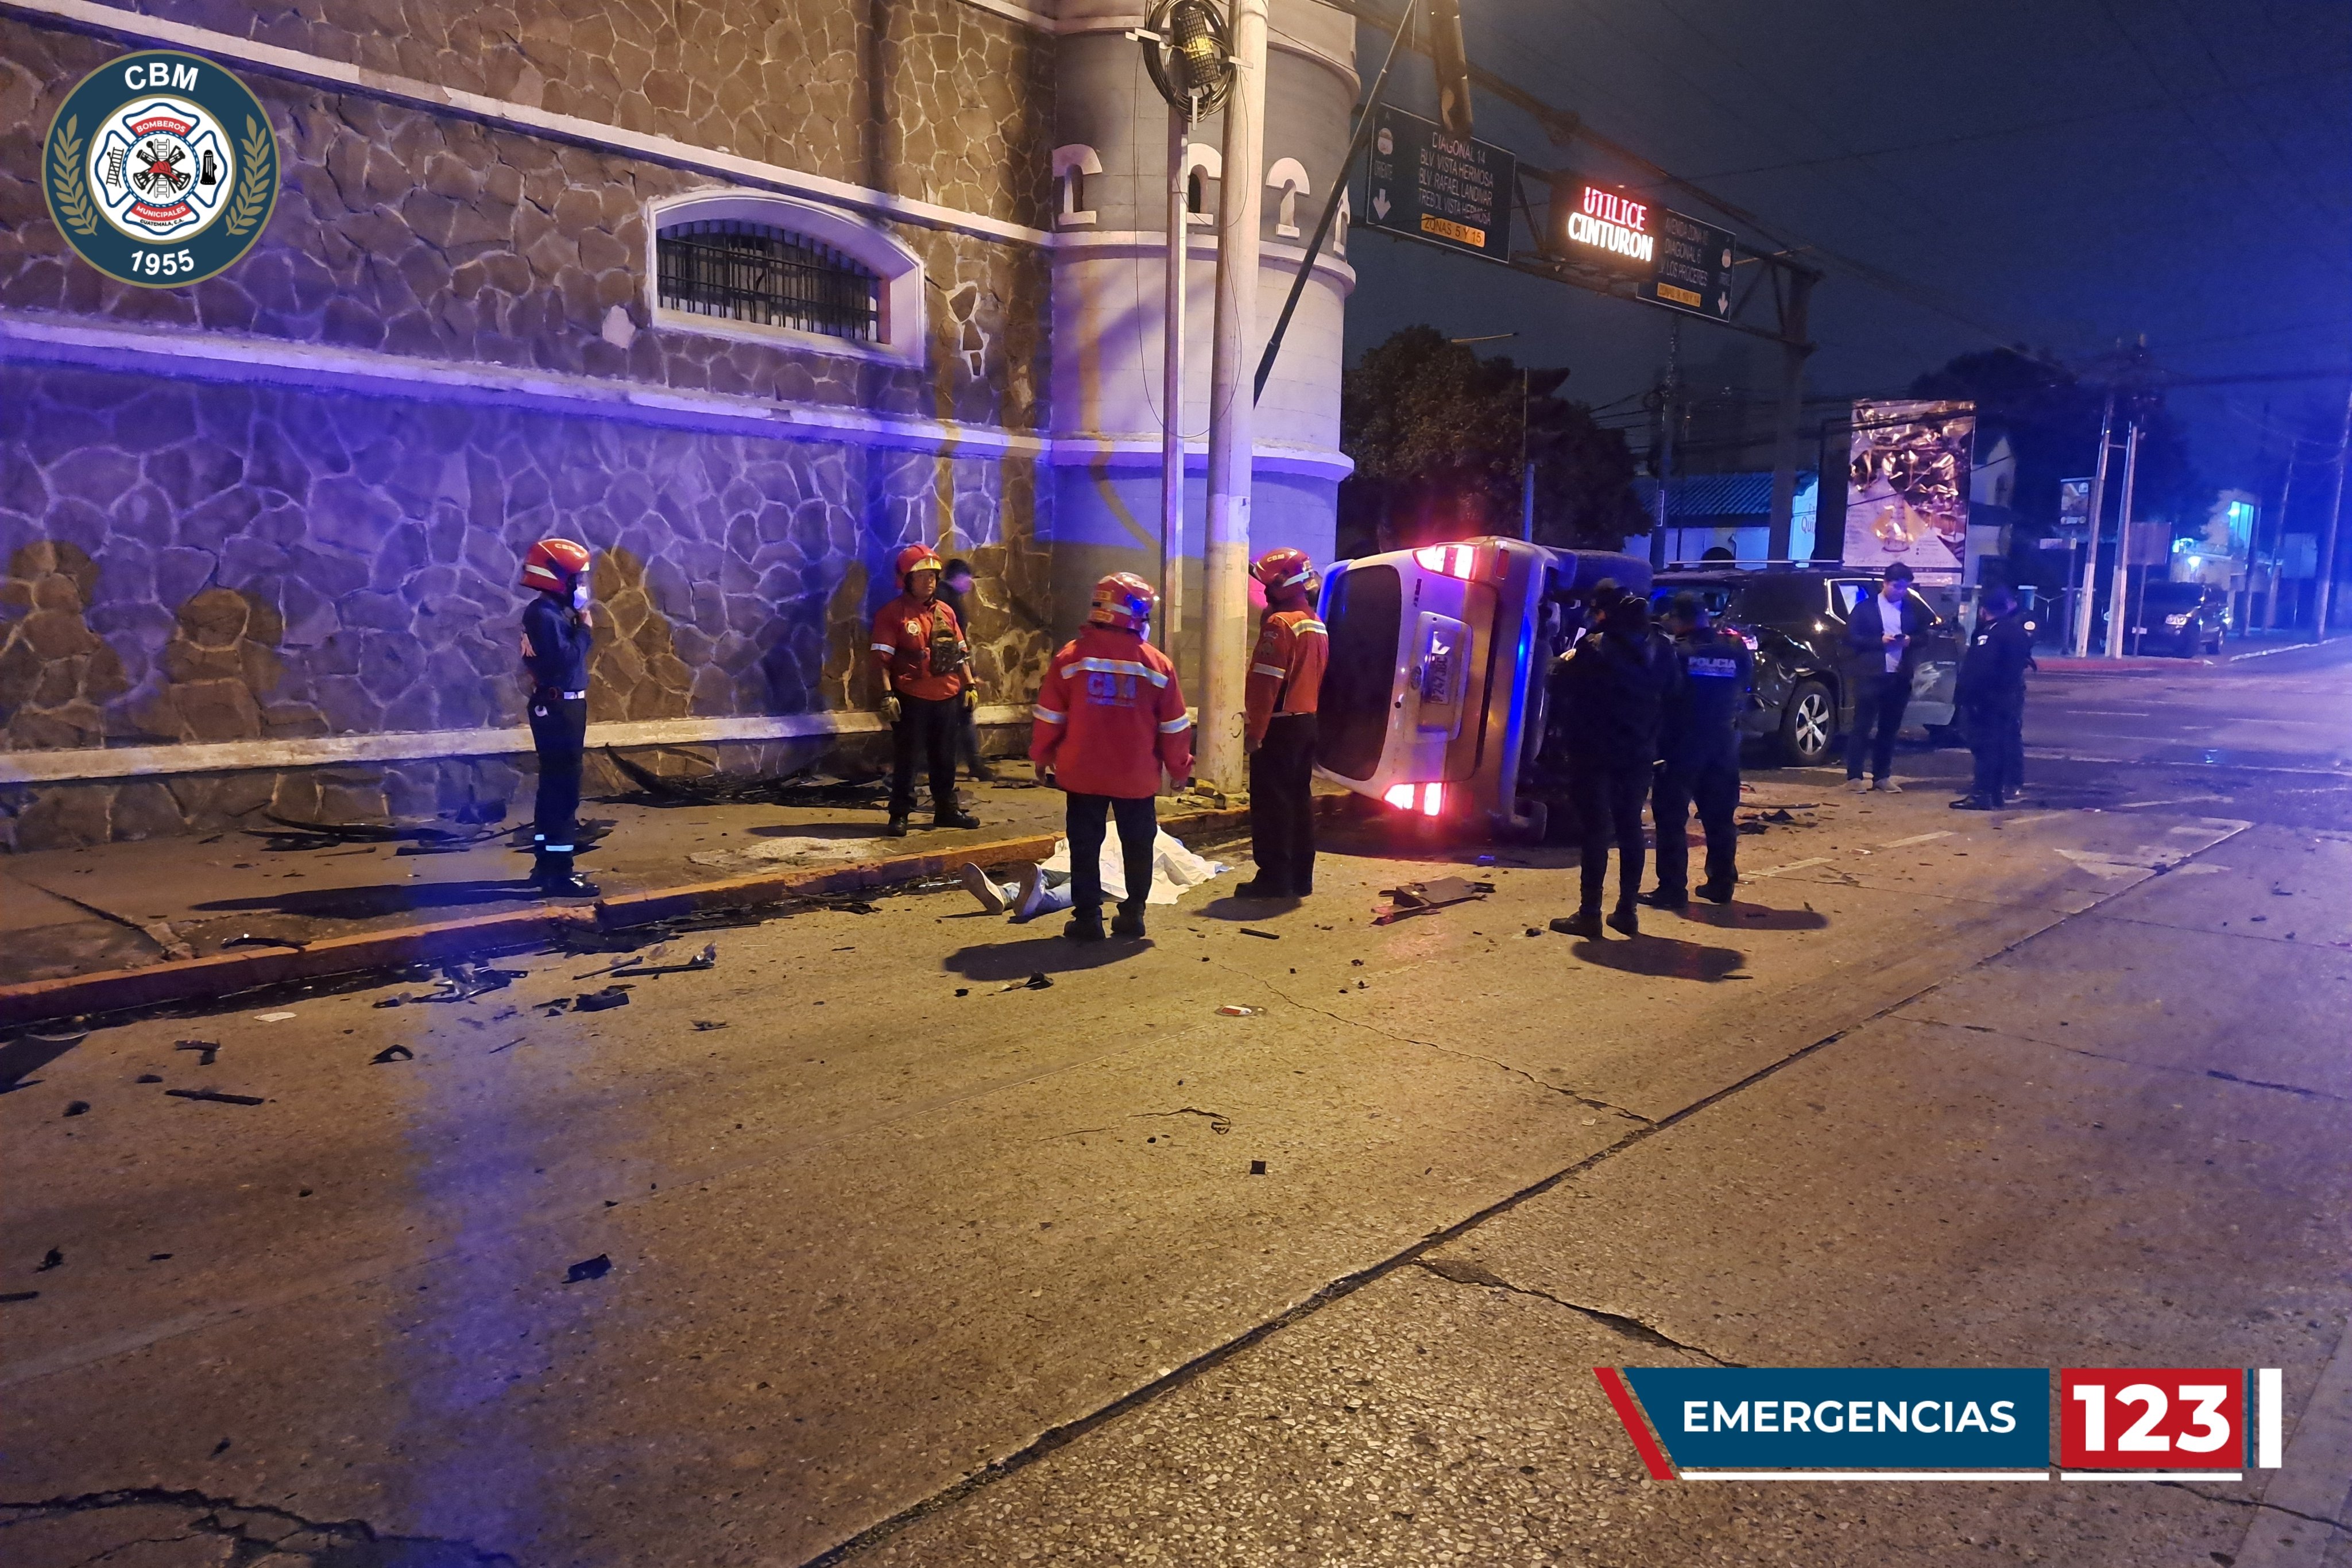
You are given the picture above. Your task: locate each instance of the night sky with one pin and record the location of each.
(2060, 174)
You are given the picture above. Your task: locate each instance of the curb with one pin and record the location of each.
(226, 974)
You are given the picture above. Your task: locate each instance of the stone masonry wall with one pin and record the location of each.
(436, 236)
(207, 563)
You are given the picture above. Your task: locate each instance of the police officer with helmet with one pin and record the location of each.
(556, 637)
(926, 667)
(1698, 748)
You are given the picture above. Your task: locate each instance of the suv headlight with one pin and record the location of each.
(2176, 622)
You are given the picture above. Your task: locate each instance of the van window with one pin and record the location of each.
(1365, 614)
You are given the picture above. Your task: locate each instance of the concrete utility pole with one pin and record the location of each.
(1171, 388)
(1665, 450)
(1794, 350)
(2090, 586)
(2327, 564)
(1224, 763)
(2119, 589)
(2278, 541)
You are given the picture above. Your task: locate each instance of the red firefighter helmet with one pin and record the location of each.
(1284, 569)
(552, 564)
(1122, 599)
(914, 559)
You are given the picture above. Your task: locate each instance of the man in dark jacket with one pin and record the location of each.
(1615, 687)
(955, 589)
(1992, 696)
(1699, 756)
(1883, 634)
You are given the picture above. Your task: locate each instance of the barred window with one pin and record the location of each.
(743, 271)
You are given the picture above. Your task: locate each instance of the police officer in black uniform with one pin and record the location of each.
(1699, 756)
(1990, 696)
(556, 636)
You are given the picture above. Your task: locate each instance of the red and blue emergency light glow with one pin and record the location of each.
(1429, 797)
(1453, 561)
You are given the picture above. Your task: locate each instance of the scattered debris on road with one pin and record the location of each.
(1410, 898)
(703, 1025)
(706, 959)
(461, 981)
(1253, 930)
(325, 833)
(392, 1054)
(214, 1094)
(794, 789)
(271, 1018)
(149, 1078)
(53, 1258)
(598, 1001)
(77, 1107)
(250, 940)
(210, 1048)
(1257, 1167)
(595, 1268)
(1036, 982)
(20, 1296)
(1237, 1012)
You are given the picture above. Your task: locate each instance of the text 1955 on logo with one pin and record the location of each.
(161, 169)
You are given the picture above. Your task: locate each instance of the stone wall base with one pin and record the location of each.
(74, 815)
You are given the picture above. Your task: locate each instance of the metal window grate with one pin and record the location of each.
(750, 272)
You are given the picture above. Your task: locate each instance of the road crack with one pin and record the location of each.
(1580, 1097)
(2258, 1502)
(258, 1530)
(1461, 1272)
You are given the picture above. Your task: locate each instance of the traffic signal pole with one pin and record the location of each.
(2120, 588)
(1171, 388)
(2326, 568)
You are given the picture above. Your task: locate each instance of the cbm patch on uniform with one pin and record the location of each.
(161, 169)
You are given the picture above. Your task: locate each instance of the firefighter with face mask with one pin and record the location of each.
(1109, 718)
(556, 636)
(926, 667)
(1286, 682)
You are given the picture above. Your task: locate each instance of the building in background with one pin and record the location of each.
(743, 296)
(1727, 518)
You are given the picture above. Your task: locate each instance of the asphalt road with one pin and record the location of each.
(807, 1255)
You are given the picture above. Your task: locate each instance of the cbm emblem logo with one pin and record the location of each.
(161, 169)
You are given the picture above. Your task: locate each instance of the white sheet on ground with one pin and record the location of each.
(1174, 868)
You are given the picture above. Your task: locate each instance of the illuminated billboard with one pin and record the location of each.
(1601, 226)
(1908, 489)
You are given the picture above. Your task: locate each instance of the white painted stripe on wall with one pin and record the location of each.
(114, 21)
(97, 764)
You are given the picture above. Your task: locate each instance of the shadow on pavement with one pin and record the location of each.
(28, 1054)
(376, 901)
(1738, 916)
(816, 831)
(1231, 908)
(1042, 954)
(1662, 957)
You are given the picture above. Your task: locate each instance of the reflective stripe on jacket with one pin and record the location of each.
(903, 632)
(1285, 672)
(1110, 715)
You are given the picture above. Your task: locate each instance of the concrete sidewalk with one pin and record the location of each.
(128, 926)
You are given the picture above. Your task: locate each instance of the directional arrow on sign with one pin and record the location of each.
(1381, 205)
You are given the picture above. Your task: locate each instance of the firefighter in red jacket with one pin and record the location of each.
(926, 681)
(1286, 682)
(1109, 717)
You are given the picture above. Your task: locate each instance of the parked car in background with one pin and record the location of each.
(2184, 619)
(1794, 618)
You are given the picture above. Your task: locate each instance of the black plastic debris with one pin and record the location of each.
(1039, 982)
(1253, 930)
(1257, 1167)
(704, 1026)
(706, 959)
(1356, 963)
(319, 835)
(595, 1268)
(796, 789)
(214, 1094)
(598, 1001)
(77, 1107)
(963, 990)
(149, 1078)
(1412, 898)
(220, 1448)
(20, 1296)
(52, 1259)
(211, 1049)
(159, 1257)
(394, 1053)
(461, 981)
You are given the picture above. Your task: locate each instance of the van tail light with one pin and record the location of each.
(1429, 799)
(1453, 561)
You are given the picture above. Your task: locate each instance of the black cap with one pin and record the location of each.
(1685, 606)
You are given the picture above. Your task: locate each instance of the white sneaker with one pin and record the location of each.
(1030, 901)
(1887, 786)
(1857, 786)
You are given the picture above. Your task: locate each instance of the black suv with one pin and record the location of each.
(1794, 620)
(2184, 619)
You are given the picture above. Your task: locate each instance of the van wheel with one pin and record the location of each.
(1808, 723)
